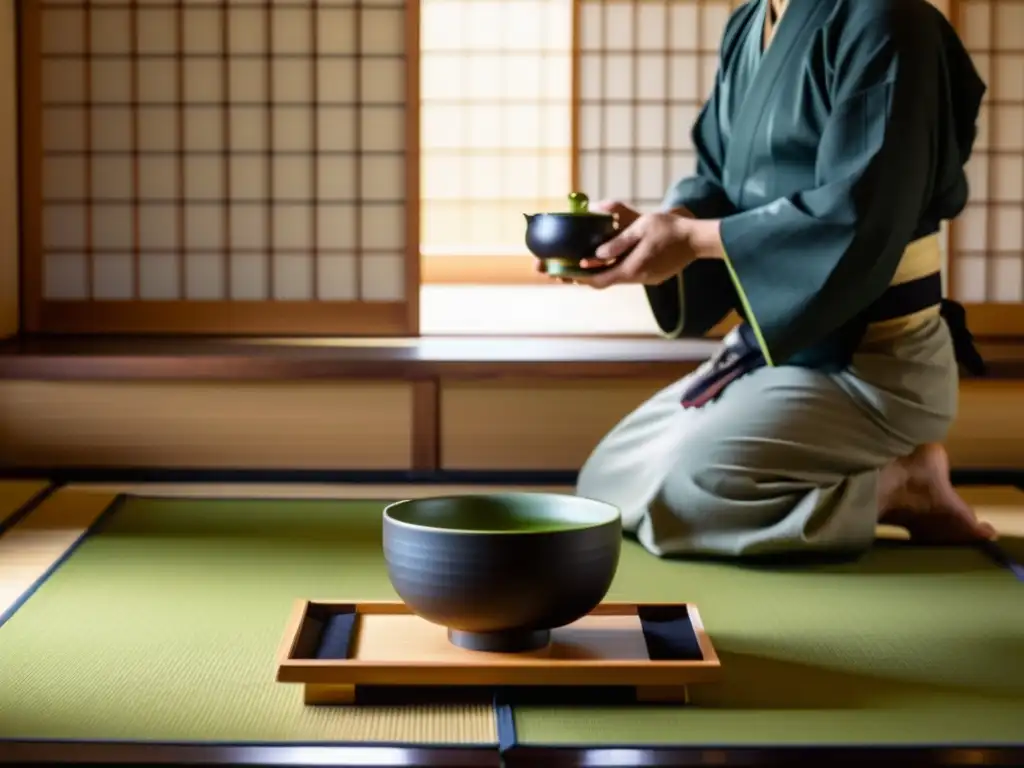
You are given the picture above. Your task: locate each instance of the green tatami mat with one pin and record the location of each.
(165, 626)
(906, 646)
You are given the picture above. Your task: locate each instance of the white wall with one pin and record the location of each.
(535, 310)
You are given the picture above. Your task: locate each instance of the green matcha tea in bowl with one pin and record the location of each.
(501, 570)
(562, 240)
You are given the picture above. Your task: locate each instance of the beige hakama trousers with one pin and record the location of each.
(785, 461)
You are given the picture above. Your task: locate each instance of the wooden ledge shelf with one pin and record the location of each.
(165, 358)
(136, 358)
(450, 405)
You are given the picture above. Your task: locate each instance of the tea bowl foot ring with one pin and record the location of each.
(514, 641)
(570, 269)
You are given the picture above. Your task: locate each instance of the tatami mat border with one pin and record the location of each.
(534, 756)
(297, 755)
(566, 756)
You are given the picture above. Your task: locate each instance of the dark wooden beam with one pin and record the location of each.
(423, 359)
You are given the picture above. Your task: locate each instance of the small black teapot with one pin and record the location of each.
(563, 240)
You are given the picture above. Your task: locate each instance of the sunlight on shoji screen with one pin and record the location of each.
(224, 151)
(988, 263)
(495, 111)
(645, 70)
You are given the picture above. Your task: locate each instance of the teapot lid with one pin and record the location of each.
(579, 205)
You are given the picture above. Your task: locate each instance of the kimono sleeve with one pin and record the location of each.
(808, 264)
(694, 301)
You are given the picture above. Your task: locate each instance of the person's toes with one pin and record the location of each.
(987, 530)
(952, 504)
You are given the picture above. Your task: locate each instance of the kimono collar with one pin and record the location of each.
(772, 17)
(783, 53)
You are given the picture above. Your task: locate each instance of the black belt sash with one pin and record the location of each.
(741, 354)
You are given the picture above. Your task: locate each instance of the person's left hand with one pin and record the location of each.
(652, 249)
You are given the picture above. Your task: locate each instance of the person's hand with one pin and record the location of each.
(625, 214)
(655, 247)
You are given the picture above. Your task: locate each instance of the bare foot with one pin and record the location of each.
(916, 493)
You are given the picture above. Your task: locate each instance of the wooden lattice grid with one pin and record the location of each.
(228, 165)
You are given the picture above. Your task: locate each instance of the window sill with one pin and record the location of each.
(423, 359)
(551, 309)
(465, 269)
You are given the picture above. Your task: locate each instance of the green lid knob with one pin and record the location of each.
(578, 202)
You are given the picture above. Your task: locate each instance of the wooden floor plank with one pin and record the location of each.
(1002, 506)
(31, 547)
(15, 494)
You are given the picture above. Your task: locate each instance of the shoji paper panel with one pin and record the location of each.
(496, 111)
(646, 68)
(988, 239)
(229, 151)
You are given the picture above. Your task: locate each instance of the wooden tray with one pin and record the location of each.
(333, 648)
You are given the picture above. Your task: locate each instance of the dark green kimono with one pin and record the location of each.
(824, 156)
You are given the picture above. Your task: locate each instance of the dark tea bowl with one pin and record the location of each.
(563, 240)
(500, 571)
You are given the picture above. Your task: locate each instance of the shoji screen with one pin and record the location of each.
(208, 167)
(496, 114)
(645, 69)
(987, 254)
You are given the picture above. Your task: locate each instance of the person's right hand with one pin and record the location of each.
(625, 214)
